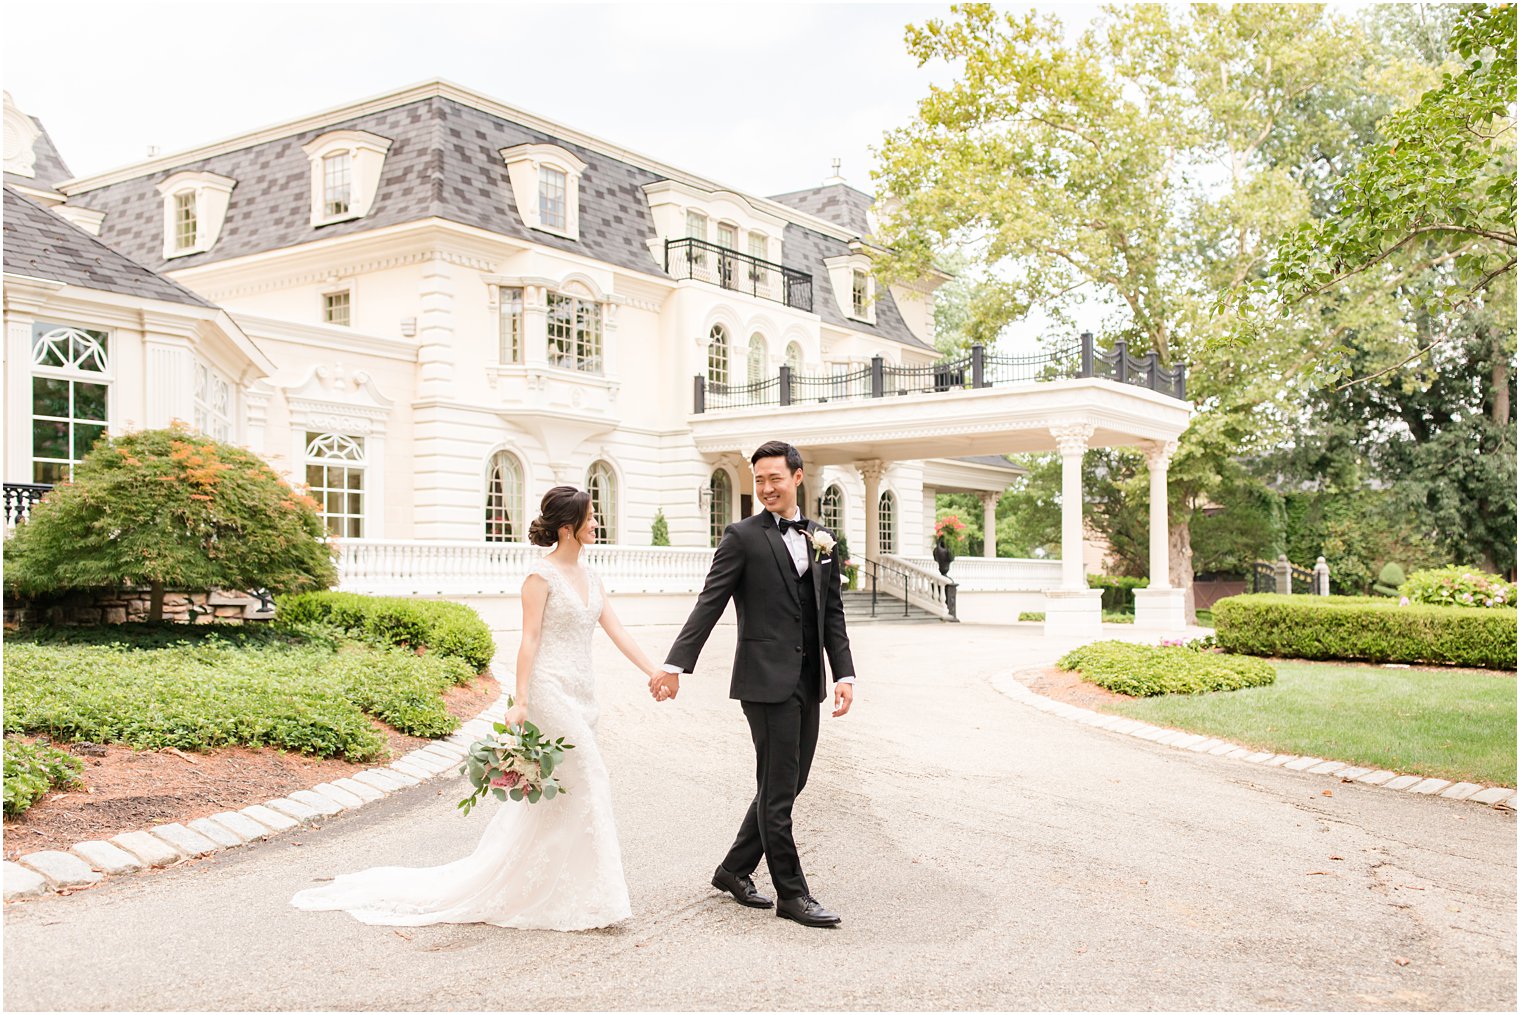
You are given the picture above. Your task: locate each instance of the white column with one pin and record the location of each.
(18, 399)
(1073, 610)
(535, 326)
(989, 524)
(169, 394)
(435, 329)
(871, 472)
(1160, 607)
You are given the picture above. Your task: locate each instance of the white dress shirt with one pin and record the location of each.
(797, 545)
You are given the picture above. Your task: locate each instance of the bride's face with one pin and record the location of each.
(586, 534)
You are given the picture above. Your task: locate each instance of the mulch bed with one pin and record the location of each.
(126, 790)
(1068, 686)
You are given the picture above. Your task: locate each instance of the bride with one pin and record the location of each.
(554, 865)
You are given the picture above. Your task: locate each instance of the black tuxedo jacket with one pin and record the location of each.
(753, 567)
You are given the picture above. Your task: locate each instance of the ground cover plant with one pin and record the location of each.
(1444, 723)
(210, 693)
(1146, 670)
(450, 629)
(1370, 628)
(33, 769)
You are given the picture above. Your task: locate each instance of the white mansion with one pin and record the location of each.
(430, 307)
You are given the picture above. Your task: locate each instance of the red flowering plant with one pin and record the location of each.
(953, 531)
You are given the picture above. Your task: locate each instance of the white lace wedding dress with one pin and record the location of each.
(553, 865)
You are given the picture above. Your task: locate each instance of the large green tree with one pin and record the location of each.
(1143, 166)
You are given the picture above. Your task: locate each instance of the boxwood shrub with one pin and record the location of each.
(449, 629)
(1147, 670)
(1367, 628)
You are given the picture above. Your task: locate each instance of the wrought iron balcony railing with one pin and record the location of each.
(977, 369)
(692, 258)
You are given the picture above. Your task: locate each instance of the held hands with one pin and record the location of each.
(663, 685)
(844, 697)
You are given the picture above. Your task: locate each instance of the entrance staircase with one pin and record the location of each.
(889, 610)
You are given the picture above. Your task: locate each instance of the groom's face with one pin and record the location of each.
(776, 485)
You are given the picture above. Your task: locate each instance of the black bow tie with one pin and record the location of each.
(786, 523)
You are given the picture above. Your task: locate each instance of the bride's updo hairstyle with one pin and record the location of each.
(561, 506)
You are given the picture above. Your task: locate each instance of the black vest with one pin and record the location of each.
(812, 657)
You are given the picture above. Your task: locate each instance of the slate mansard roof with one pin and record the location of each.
(443, 162)
(39, 244)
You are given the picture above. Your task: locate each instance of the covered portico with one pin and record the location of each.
(1067, 416)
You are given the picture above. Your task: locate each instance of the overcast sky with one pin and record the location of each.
(758, 96)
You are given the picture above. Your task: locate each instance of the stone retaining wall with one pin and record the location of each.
(122, 606)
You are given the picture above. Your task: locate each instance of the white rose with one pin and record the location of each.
(823, 541)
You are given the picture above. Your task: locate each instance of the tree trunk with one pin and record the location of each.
(1179, 554)
(1499, 383)
(155, 601)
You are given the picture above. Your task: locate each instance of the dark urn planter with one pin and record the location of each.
(943, 555)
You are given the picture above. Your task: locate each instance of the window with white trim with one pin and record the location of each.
(71, 388)
(757, 358)
(859, 293)
(601, 483)
(336, 307)
(720, 513)
(195, 206)
(335, 467)
(759, 248)
(886, 521)
(552, 213)
(337, 184)
(575, 333)
(184, 220)
(504, 500)
(510, 334)
(831, 509)
(696, 228)
(717, 355)
(213, 403)
(546, 180)
(794, 356)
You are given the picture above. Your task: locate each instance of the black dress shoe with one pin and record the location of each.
(806, 911)
(742, 889)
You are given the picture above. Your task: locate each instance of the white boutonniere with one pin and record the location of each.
(822, 543)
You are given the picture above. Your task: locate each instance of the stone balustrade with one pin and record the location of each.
(998, 574)
(453, 568)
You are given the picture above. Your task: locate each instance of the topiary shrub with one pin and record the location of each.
(170, 509)
(1458, 586)
(1367, 628)
(1389, 579)
(1148, 670)
(450, 629)
(33, 769)
(659, 532)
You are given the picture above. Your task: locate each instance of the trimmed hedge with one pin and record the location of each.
(1118, 593)
(33, 769)
(449, 629)
(1148, 670)
(1367, 628)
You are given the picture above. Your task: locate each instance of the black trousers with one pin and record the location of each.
(785, 735)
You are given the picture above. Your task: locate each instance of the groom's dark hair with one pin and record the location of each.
(778, 449)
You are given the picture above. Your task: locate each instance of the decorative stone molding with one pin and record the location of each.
(333, 397)
(1071, 438)
(366, 153)
(21, 136)
(1159, 453)
(871, 471)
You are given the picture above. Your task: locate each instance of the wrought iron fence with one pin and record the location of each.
(722, 266)
(19, 498)
(978, 369)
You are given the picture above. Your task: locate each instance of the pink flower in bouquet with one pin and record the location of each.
(507, 780)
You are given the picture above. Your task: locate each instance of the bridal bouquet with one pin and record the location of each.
(516, 763)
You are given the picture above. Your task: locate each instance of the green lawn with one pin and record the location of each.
(1452, 724)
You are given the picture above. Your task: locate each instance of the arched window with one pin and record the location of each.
(794, 356)
(831, 509)
(504, 500)
(720, 513)
(335, 475)
(71, 385)
(601, 483)
(886, 514)
(717, 355)
(757, 358)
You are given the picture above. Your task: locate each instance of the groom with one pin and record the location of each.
(780, 570)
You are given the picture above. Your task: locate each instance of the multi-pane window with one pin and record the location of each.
(831, 509)
(511, 324)
(337, 184)
(602, 485)
(858, 292)
(758, 249)
(794, 356)
(721, 511)
(696, 228)
(717, 355)
(335, 476)
(728, 235)
(184, 220)
(213, 403)
(756, 357)
(504, 500)
(335, 307)
(553, 210)
(886, 522)
(575, 333)
(70, 397)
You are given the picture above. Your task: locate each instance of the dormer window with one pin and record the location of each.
(854, 285)
(345, 174)
(552, 175)
(858, 293)
(195, 206)
(337, 184)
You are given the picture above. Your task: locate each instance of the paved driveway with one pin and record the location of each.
(982, 854)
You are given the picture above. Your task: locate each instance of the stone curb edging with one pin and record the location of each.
(87, 863)
(1491, 796)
